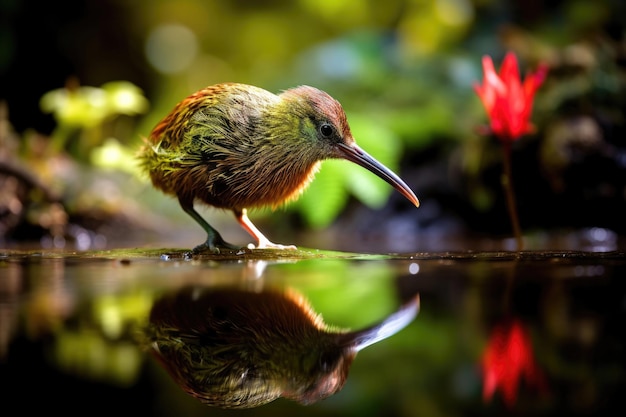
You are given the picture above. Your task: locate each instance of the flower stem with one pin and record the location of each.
(507, 184)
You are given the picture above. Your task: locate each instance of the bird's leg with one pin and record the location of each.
(214, 240)
(262, 241)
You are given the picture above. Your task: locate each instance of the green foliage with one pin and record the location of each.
(114, 155)
(324, 198)
(82, 111)
(403, 70)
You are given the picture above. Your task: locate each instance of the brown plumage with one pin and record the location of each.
(236, 146)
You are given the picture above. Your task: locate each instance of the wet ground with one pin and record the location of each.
(149, 332)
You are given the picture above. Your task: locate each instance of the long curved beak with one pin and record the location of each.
(360, 339)
(354, 153)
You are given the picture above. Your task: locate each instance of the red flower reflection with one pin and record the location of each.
(507, 101)
(507, 359)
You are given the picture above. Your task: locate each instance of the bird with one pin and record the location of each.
(237, 348)
(236, 146)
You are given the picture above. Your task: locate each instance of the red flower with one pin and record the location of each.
(507, 101)
(507, 359)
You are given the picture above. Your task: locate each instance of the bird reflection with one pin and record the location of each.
(233, 348)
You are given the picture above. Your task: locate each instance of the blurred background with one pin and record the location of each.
(82, 84)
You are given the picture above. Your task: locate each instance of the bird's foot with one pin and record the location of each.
(266, 244)
(262, 241)
(213, 247)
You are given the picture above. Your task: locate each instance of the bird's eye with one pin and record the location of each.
(326, 130)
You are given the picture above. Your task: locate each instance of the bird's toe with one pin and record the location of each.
(270, 245)
(213, 248)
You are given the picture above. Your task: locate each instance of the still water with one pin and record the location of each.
(429, 334)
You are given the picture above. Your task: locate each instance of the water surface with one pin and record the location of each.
(532, 333)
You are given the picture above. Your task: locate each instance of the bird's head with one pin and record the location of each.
(324, 126)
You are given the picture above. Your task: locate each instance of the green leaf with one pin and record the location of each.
(325, 197)
(365, 186)
(376, 138)
(125, 98)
